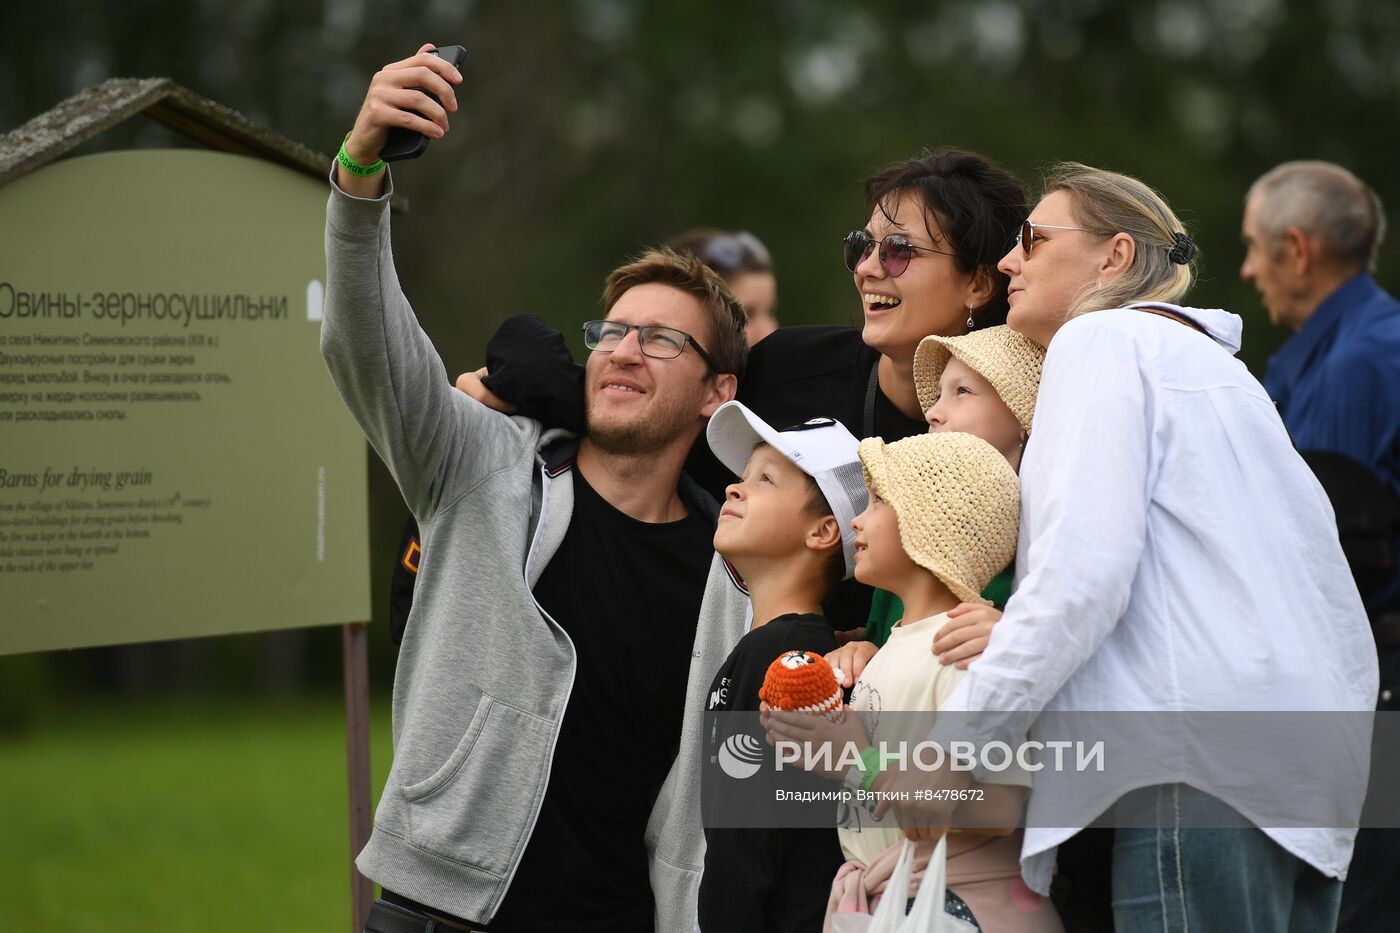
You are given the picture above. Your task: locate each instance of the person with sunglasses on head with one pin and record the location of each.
(747, 268)
(546, 759)
(1176, 554)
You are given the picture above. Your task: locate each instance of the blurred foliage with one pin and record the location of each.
(589, 129)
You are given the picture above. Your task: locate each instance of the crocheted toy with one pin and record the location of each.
(802, 682)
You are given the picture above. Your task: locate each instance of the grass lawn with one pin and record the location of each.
(181, 816)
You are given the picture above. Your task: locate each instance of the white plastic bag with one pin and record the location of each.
(927, 914)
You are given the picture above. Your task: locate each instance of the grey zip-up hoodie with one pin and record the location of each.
(483, 674)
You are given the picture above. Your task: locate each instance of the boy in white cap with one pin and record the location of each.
(941, 521)
(786, 528)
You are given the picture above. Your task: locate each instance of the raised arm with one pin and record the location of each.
(393, 95)
(436, 441)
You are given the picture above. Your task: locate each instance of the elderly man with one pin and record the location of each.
(1311, 231)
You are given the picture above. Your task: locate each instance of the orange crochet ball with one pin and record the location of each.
(801, 681)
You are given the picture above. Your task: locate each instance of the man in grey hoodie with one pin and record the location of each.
(546, 771)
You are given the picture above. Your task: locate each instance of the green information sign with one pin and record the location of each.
(174, 460)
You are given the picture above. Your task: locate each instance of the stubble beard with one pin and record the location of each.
(649, 433)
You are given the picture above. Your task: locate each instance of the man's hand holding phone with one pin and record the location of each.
(395, 93)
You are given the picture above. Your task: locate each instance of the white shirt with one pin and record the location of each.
(1175, 554)
(904, 677)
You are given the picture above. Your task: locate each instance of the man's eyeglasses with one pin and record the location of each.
(895, 251)
(655, 341)
(1027, 235)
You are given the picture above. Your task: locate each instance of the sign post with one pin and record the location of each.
(355, 640)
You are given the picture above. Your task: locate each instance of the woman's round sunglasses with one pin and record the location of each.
(1026, 236)
(895, 251)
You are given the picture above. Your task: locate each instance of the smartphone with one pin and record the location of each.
(404, 143)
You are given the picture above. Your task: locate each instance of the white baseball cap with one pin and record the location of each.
(820, 447)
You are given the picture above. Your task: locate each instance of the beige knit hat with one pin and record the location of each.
(958, 503)
(1006, 359)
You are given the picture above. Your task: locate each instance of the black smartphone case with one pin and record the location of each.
(406, 144)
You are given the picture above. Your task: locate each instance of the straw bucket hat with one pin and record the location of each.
(1006, 359)
(958, 503)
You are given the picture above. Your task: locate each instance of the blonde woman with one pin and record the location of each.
(1175, 554)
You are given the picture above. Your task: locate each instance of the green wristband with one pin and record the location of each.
(870, 764)
(357, 168)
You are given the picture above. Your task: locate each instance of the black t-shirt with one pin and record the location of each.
(816, 371)
(736, 684)
(762, 880)
(628, 593)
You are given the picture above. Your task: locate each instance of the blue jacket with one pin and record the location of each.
(1337, 385)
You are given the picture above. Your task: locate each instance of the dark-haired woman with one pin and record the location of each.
(924, 263)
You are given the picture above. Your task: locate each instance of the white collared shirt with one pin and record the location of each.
(1175, 554)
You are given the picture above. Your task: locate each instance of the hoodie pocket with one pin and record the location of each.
(475, 809)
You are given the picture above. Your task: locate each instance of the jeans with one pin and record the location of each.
(1183, 879)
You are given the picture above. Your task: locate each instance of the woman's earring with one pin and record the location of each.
(970, 322)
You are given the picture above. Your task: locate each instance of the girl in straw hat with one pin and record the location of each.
(941, 521)
(982, 383)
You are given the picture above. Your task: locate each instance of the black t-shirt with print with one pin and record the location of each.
(763, 880)
(738, 680)
(628, 593)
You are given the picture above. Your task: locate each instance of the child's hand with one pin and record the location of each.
(812, 733)
(850, 659)
(963, 638)
(471, 384)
